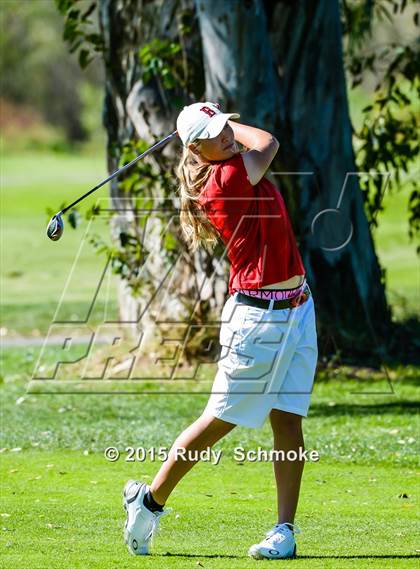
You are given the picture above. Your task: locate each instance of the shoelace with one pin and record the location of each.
(279, 529)
(155, 522)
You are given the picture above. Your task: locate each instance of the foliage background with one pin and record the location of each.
(53, 149)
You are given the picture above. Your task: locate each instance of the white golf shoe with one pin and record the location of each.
(141, 524)
(279, 543)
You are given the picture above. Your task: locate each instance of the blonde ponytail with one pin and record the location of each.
(193, 175)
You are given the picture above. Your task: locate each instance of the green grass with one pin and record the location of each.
(67, 506)
(35, 270)
(61, 496)
(383, 409)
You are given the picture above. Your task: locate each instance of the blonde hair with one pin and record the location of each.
(192, 175)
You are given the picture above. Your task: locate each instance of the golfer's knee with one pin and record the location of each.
(282, 421)
(216, 425)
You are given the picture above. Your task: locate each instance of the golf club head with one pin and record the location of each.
(55, 227)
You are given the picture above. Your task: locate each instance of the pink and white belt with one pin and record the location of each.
(276, 294)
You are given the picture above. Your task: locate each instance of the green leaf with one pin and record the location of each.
(88, 12)
(75, 46)
(84, 58)
(74, 218)
(64, 6)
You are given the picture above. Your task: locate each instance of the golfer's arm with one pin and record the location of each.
(262, 146)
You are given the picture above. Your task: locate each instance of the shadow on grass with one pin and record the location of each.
(367, 556)
(215, 556)
(368, 378)
(194, 555)
(400, 407)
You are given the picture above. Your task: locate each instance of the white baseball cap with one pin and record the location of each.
(201, 120)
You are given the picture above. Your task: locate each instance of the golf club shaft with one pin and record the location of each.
(117, 172)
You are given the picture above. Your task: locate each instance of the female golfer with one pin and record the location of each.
(268, 333)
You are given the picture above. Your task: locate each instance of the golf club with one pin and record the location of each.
(56, 226)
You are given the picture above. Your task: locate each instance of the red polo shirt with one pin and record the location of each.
(254, 225)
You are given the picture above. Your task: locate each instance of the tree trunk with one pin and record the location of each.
(120, 29)
(317, 137)
(282, 68)
(134, 109)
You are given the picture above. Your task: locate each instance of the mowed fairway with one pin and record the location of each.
(68, 507)
(60, 495)
(35, 270)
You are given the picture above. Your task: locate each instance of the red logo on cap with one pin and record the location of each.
(208, 111)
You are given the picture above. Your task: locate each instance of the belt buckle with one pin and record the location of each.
(298, 300)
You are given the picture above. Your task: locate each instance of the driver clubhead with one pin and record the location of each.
(55, 228)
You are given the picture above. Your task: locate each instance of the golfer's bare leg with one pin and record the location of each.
(287, 431)
(203, 433)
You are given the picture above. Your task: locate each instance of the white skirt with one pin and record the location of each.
(268, 361)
